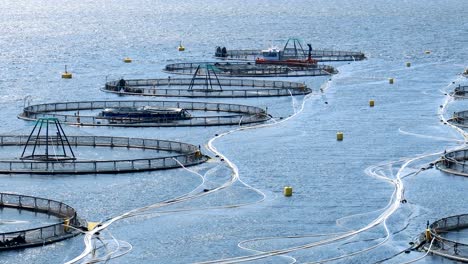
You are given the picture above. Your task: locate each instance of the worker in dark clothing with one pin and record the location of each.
(121, 84)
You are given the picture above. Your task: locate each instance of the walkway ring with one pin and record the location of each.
(238, 114)
(459, 119)
(454, 162)
(40, 235)
(460, 92)
(445, 247)
(231, 88)
(186, 155)
(247, 69)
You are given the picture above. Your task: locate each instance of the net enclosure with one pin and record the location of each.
(460, 92)
(454, 162)
(68, 223)
(146, 113)
(459, 119)
(179, 155)
(444, 246)
(206, 87)
(248, 69)
(294, 48)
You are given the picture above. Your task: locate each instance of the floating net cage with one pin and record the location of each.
(461, 92)
(48, 154)
(293, 49)
(454, 162)
(443, 246)
(183, 154)
(218, 88)
(68, 224)
(92, 113)
(459, 119)
(248, 69)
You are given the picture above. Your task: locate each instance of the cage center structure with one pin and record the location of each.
(47, 142)
(209, 79)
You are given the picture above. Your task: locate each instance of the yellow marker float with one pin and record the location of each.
(66, 74)
(181, 48)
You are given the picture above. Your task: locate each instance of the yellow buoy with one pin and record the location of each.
(66, 224)
(371, 103)
(181, 48)
(408, 64)
(390, 80)
(127, 60)
(92, 225)
(288, 191)
(66, 74)
(339, 136)
(427, 52)
(428, 235)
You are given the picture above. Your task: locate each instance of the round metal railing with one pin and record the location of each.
(234, 114)
(317, 54)
(198, 87)
(67, 225)
(460, 92)
(454, 162)
(443, 246)
(185, 155)
(247, 69)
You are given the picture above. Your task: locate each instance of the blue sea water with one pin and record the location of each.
(332, 192)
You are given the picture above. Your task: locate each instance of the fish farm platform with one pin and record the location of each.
(454, 162)
(318, 55)
(438, 244)
(69, 113)
(247, 69)
(69, 223)
(182, 155)
(218, 88)
(461, 92)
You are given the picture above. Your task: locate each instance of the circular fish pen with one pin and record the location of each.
(247, 69)
(68, 223)
(163, 154)
(201, 87)
(459, 119)
(133, 113)
(442, 244)
(454, 162)
(318, 54)
(461, 92)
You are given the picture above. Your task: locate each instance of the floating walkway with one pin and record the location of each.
(317, 54)
(69, 223)
(454, 162)
(183, 154)
(47, 150)
(248, 69)
(441, 245)
(460, 92)
(459, 119)
(72, 113)
(218, 88)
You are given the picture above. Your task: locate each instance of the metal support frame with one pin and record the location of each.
(210, 70)
(60, 139)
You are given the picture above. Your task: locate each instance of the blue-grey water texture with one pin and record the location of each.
(332, 192)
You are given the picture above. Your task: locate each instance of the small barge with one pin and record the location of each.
(144, 114)
(275, 56)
